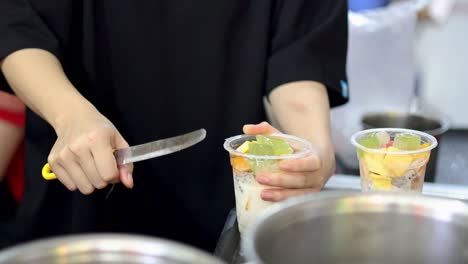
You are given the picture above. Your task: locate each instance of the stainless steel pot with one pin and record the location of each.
(435, 126)
(105, 248)
(360, 228)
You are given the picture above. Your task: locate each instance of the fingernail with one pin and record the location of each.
(263, 179)
(247, 126)
(130, 177)
(267, 195)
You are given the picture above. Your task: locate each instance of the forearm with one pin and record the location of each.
(37, 77)
(302, 109)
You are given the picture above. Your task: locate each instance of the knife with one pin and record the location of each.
(147, 151)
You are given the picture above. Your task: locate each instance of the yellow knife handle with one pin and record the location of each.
(47, 173)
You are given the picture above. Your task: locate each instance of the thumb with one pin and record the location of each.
(125, 171)
(262, 128)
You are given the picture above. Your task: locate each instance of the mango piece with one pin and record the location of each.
(393, 149)
(398, 164)
(374, 163)
(425, 145)
(240, 164)
(381, 182)
(244, 148)
(420, 160)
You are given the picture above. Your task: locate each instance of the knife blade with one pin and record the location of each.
(148, 150)
(159, 147)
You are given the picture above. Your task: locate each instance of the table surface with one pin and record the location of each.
(228, 247)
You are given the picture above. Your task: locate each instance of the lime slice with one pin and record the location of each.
(370, 141)
(280, 146)
(261, 149)
(259, 165)
(407, 141)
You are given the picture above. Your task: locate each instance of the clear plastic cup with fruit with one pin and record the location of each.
(393, 159)
(251, 156)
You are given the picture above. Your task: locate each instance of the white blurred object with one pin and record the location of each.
(381, 69)
(440, 10)
(443, 60)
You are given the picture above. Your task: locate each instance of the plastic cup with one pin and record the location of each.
(246, 167)
(388, 168)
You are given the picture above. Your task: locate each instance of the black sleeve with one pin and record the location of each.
(21, 27)
(310, 41)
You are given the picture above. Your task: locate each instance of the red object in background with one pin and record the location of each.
(16, 116)
(15, 174)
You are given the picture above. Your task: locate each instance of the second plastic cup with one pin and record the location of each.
(392, 159)
(246, 167)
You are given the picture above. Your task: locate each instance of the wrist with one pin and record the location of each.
(70, 111)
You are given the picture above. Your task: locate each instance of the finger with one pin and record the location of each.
(102, 152)
(277, 195)
(69, 163)
(62, 176)
(79, 178)
(309, 163)
(126, 176)
(262, 128)
(289, 180)
(86, 161)
(125, 171)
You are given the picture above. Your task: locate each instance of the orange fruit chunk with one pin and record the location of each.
(240, 164)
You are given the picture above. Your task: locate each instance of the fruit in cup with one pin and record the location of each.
(385, 170)
(261, 146)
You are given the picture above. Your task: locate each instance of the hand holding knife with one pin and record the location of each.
(147, 151)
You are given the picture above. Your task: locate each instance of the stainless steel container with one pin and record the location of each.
(362, 228)
(435, 126)
(105, 248)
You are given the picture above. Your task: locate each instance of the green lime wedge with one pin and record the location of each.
(407, 141)
(259, 165)
(280, 146)
(370, 141)
(261, 149)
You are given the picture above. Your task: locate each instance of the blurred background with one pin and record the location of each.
(408, 67)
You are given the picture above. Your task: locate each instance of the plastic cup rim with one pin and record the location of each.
(431, 138)
(307, 149)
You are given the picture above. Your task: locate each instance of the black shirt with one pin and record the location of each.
(158, 69)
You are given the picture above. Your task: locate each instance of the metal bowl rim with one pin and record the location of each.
(248, 241)
(442, 119)
(49, 244)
